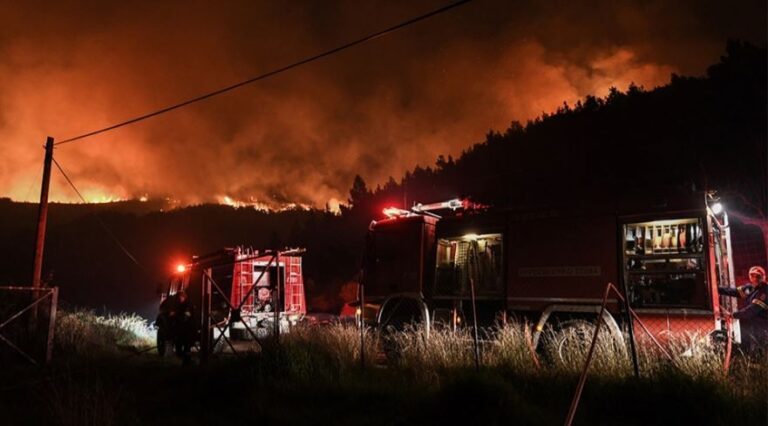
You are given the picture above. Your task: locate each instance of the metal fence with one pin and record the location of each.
(27, 323)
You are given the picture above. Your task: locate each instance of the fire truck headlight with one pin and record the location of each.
(358, 311)
(717, 208)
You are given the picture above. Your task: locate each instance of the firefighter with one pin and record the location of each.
(183, 327)
(753, 316)
(165, 322)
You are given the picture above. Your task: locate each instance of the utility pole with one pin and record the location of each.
(206, 336)
(42, 214)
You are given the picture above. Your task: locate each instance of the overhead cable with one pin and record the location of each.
(101, 222)
(268, 74)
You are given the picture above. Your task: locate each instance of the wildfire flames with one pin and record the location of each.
(299, 139)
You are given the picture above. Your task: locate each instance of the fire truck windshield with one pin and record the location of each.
(392, 259)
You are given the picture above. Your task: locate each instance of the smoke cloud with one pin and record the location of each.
(299, 138)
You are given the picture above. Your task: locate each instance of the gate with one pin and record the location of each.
(27, 322)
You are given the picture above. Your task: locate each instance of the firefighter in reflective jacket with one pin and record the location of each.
(754, 315)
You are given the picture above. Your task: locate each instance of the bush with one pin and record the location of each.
(82, 332)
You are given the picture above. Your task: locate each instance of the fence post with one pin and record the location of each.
(631, 330)
(205, 328)
(361, 291)
(588, 362)
(52, 324)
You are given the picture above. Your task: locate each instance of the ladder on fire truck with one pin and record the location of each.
(244, 270)
(294, 285)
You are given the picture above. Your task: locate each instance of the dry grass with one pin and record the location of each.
(425, 374)
(328, 353)
(333, 351)
(565, 352)
(427, 357)
(81, 399)
(83, 332)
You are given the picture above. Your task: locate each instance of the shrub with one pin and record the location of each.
(82, 332)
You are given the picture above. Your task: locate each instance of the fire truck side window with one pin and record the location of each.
(472, 257)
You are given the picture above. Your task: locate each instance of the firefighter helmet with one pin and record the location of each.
(757, 270)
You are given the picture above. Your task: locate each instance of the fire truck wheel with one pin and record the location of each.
(401, 313)
(397, 315)
(572, 338)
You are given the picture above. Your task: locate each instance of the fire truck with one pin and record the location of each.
(239, 294)
(447, 262)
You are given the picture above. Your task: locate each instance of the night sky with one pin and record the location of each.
(377, 110)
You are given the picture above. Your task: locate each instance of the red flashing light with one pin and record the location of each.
(181, 268)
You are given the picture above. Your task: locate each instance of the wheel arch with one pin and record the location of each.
(556, 310)
(393, 300)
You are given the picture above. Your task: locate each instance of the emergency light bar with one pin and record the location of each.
(427, 209)
(453, 205)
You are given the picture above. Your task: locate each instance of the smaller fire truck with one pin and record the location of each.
(239, 294)
(451, 262)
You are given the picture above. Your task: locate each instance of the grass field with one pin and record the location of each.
(313, 376)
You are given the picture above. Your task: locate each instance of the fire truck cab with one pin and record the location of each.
(240, 293)
(667, 257)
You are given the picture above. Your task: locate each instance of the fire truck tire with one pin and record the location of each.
(571, 337)
(396, 315)
(401, 312)
(571, 340)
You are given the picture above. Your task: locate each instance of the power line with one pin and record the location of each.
(270, 73)
(101, 222)
(32, 183)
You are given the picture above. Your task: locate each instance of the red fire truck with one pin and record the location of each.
(551, 266)
(240, 293)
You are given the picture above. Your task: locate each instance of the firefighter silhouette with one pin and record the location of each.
(176, 325)
(753, 316)
(184, 333)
